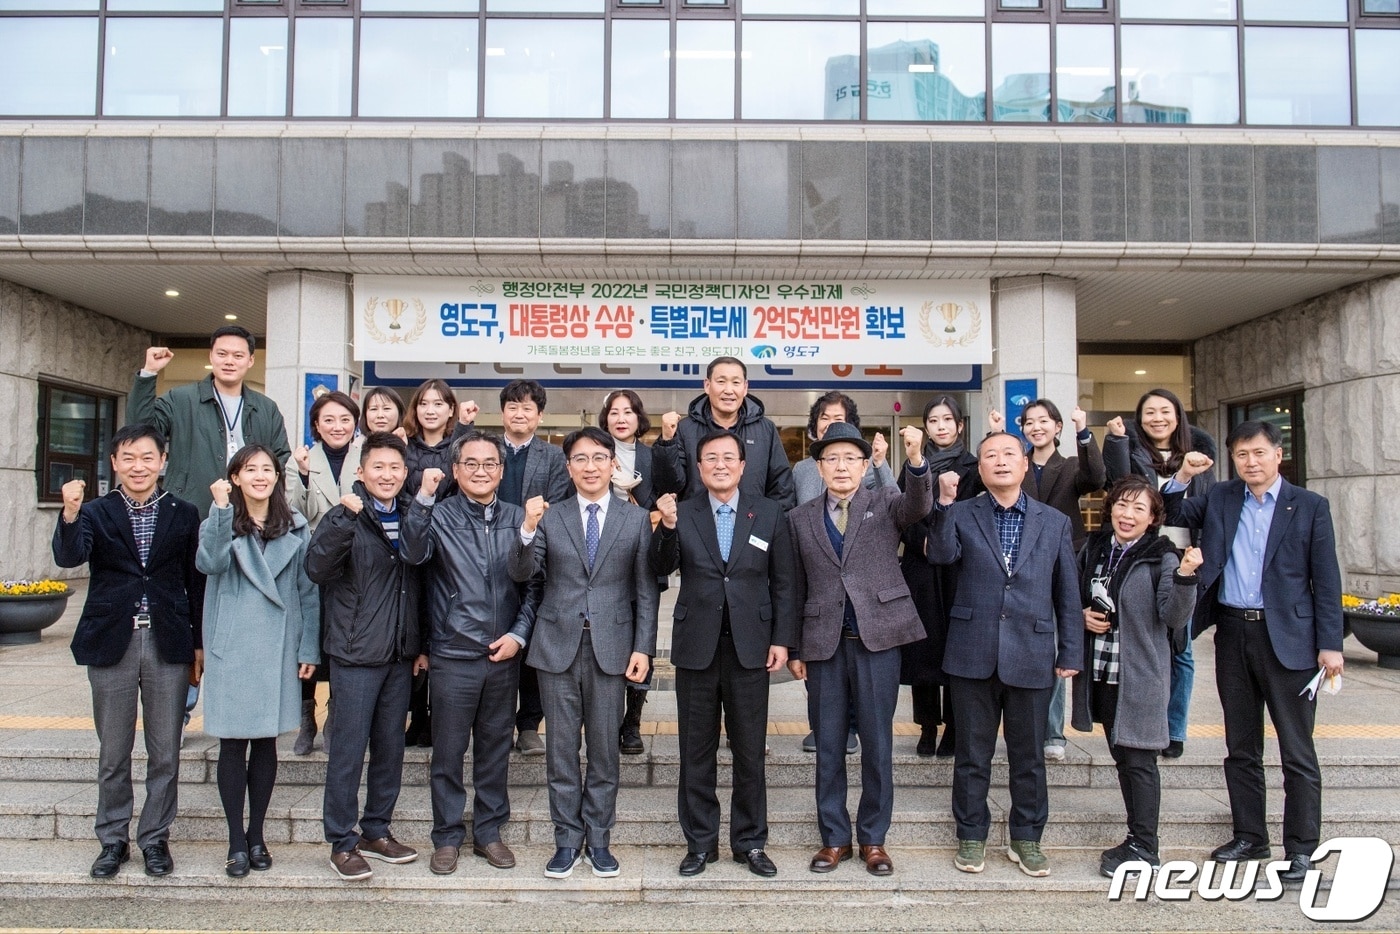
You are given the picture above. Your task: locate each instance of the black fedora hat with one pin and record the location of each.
(840, 431)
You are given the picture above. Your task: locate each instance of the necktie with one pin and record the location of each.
(590, 534)
(842, 510)
(724, 526)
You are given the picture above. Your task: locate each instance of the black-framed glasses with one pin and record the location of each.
(474, 466)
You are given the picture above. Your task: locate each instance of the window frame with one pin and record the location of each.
(95, 462)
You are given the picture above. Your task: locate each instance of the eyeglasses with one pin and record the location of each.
(712, 459)
(474, 466)
(583, 460)
(844, 460)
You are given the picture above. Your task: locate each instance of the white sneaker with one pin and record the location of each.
(1054, 753)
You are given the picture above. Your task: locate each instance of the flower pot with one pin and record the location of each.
(1380, 634)
(23, 618)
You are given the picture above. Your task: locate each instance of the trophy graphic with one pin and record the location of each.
(396, 307)
(950, 312)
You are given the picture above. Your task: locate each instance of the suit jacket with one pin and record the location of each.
(867, 571)
(618, 597)
(1020, 625)
(1302, 582)
(102, 537)
(755, 583)
(320, 494)
(1064, 479)
(546, 474)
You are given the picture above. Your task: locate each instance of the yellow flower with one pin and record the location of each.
(30, 588)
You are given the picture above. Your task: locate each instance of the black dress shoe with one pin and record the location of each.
(758, 862)
(259, 858)
(159, 862)
(928, 742)
(110, 860)
(1297, 871)
(1238, 849)
(237, 866)
(694, 863)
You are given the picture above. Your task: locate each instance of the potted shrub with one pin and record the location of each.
(27, 607)
(1376, 625)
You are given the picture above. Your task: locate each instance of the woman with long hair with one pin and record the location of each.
(1153, 446)
(261, 636)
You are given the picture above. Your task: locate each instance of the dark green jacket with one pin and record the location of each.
(190, 417)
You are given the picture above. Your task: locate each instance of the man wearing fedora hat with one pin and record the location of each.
(856, 612)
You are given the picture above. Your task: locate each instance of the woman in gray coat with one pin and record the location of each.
(1136, 592)
(261, 633)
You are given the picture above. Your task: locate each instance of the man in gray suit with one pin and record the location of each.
(856, 613)
(595, 631)
(1015, 624)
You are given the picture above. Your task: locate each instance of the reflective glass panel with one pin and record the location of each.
(1377, 77)
(1317, 11)
(1021, 72)
(420, 6)
(1180, 74)
(1278, 91)
(801, 71)
(48, 66)
(795, 7)
(163, 67)
(925, 7)
(257, 66)
(1084, 74)
(165, 6)
(704, 69)
(48, 4)
(1176, 9)
(1019, 5)
(544, 68)
(418, 67)
(926, 71)
(641, 68)
(324, 57)
(1380, 6)
(1086, 4)
(544, 6)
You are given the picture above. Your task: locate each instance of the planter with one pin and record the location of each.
(23, 618)
(1380, 634)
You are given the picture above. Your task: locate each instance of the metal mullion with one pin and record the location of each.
(863, 68)
(738, 76)
(291, 63)
(101, 61)
(480, 75)
(1239, 64)
(607, 74)
(1117, 67)
(988, 107)
(223, 78)
(354, 74)
(1053, 79)
(673, 30)
(1355, 76)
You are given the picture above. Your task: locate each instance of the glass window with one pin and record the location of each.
(925, 7)
(48, 5)
(1317, 11)
(1021, 72)
(1179, 9)
(1019, 5)
(544, 6)
(1278, 91)
(704, 69)
(1377, 77)
(257, 66)
(544, 68)
(75, 430)
(641, 68)
(48, 66)
(1086, 4)
(324, 57)
(926, 71)
(1180, 74)
(163, 67)
(1367, 6)
(801, 71)
(420, 6)
(1084, 74)
(1286, 413)
(417, 67)
(165, 6)
(640, 2)
(801, 7)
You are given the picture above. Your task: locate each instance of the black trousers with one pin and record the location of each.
(1138, 777)
(1250, 679)
(979, 707)
(530, 713)
(740, 696)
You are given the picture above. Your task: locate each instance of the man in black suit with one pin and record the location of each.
(139, 635)
(1271, 587)
(733, 624)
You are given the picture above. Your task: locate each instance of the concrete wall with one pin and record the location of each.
(1343, 349)
(43, 336)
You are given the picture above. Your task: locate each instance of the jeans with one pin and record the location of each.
(1179, 704)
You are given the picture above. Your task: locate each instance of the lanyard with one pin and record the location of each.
(231, 423)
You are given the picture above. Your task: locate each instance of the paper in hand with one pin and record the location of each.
(1332, 685)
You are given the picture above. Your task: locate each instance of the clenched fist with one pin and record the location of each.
(432, 479)
(73, 492)
(913, 445)
(1080, 419)
(995, 420)
(1191, 559)
(352, 502)
(467, 412)
(666, 505)
(302, 456)
(879, 448)
(669, 422)
(1192, 465)
(1116, 427)
(948, 487)
(535, 508)
(401, 434)
(157, 358)
(221, 488)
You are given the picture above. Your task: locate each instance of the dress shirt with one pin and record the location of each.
(583, 503)
(1242, 584)
(1010, 522)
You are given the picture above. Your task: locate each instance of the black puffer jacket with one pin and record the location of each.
(371, 594)
(1123, 455)
(768, 474)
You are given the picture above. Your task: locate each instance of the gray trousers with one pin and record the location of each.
(583, 699)
(161, 687)
(371, 703)
(473, 704)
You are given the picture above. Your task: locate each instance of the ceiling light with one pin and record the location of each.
(1122, 322)
(209, 366)
(1139, 372)
(1169, 301)
(230, 317)
(172, 293)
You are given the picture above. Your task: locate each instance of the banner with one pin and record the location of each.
(620, 321)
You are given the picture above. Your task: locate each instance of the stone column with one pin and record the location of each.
(1034, 336)
(309, 330)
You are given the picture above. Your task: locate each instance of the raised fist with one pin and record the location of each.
(879, 447)
(157, 358)
(432, 478)
(1192, 464)
(221, 488)
(913, 445)
(302, 456)
(401, 434)
(73, 492)
(669, 422)
(948, 486)
(1080, 419)
(467, 412)
(996, 421)
(352, 502)
(1190, 560)
(535, 507)
(666, 505)
(1116, 427)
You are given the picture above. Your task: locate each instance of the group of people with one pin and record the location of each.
(474, 585)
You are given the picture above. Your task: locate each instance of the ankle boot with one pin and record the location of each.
(630, 736)
(307, 735)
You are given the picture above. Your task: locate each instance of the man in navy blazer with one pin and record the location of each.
(139, 634)
(1015, 624)
(1271, 587)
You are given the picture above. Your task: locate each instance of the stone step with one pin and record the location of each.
(1088, 817)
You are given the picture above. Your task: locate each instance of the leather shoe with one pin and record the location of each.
(1297, 871)
(828, 857)
(110, 860)
(1238, 849)
(561, 864)
(758, 862)
(496, 853)
(694, 863)
(236, 866)
(259, 858)
(877, 861)
(158, 859)
(443, 862)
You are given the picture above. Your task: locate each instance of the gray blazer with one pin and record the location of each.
(618, 598)
(320, 494)
(546, 473)
(867, 571)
